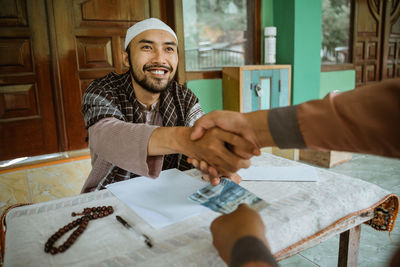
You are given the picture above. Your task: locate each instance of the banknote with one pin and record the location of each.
(226, 196)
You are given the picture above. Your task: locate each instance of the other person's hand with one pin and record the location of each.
(252, 126)
(211, 149)
(228, 228)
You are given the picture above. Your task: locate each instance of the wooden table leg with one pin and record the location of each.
(348, 247)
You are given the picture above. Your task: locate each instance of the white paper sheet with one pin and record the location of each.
(162, 201)
(280, 174)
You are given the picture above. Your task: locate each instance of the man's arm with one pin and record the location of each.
(125, 145)
(364, 120)
(138, 147)
(211, 147)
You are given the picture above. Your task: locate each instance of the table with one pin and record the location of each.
(300, 215)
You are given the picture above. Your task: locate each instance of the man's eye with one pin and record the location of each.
(147, 47)
(170, 49)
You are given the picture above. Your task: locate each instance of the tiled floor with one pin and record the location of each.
(43, 184)
(56, 181)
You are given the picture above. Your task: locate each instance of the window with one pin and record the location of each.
(336, 32)
(219, 33)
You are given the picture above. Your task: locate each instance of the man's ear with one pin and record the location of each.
(125, 59)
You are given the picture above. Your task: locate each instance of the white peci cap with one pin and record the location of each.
(145, 25)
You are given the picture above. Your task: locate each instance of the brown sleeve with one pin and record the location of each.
(125, 145)
(365, 120)
(284, 127)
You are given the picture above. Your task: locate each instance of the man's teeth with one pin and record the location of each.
(160, 72)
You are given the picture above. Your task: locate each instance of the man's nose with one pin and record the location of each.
(159, 56)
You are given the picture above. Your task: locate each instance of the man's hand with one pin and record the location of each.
(252, 126)
(211, 148)
(215, 180)
(228, 228)
(210, 174)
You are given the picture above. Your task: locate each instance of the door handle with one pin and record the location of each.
(280, 84)
(259, 90)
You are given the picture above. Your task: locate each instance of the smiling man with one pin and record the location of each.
(123, 114)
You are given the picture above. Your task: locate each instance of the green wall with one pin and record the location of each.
(267, 19)
(337, 81)
(209, 93)
(298, 24)
(284, 21)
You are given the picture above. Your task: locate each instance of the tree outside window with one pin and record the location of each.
(214, 33)
(336, 32)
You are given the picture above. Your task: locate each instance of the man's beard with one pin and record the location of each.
(152, 86)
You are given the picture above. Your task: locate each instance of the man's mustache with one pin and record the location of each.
(149, 66)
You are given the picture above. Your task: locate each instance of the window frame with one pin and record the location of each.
(175, 18)
(350, 65)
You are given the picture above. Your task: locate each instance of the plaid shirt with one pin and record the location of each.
(113, 96)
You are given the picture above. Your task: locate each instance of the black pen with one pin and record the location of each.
(143, 236)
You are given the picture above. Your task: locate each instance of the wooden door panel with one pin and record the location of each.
(359, 51)
(368, 18)
(29, 136)
(94, 52)
(18, 101)
(13, 13)
(367, 36)
(372, 50)
(359, 74)
(392, 50)
(27, 121)
(15, 54)
(90, 36)
(391, 61)
(371, 73)
(110, 13)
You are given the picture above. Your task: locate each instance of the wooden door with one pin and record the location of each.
(391, 52)
(367, 40)
(376, 40)
(89, 40)
(27, 120)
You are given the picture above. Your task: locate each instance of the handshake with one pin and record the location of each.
(224, 142)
